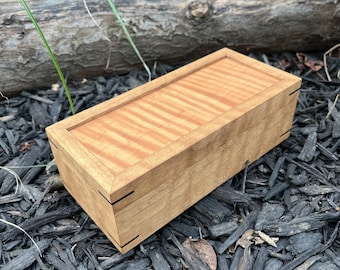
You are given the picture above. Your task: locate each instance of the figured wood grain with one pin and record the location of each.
(148, 124)
(186, 185)
(91, 199)
(137, 161)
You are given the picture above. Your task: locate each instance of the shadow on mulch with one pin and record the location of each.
(287, 218)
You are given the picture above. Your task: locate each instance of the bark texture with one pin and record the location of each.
(166, 31)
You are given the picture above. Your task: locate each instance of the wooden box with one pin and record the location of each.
(137, 161)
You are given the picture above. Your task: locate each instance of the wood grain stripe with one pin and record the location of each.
(148, 124)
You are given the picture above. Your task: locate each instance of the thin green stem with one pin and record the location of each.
(122, 24)
(54, 60)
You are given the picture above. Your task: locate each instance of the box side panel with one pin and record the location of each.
(196, 172)
(76, 181)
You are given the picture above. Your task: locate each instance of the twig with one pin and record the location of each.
(3, 96)
(325, 60)
(16, 176)
(329, 77)
(17, 227)
(333, 106)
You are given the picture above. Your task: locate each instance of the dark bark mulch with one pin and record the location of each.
(287, 216)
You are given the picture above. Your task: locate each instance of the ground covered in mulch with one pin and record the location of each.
(281, 212)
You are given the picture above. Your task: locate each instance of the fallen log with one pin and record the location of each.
(164, 31)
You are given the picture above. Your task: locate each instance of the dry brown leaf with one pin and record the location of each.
(202, 250)
(251, 237)
(314, 65)
(285, 63)
(258, 240)
(246, 240)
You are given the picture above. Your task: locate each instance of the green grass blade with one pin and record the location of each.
(122, 24)
(54, 60)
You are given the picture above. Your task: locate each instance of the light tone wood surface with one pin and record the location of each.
(146, 125)
(137, 161)
(185, 185)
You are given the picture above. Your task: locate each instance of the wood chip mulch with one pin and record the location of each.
(281, 212)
